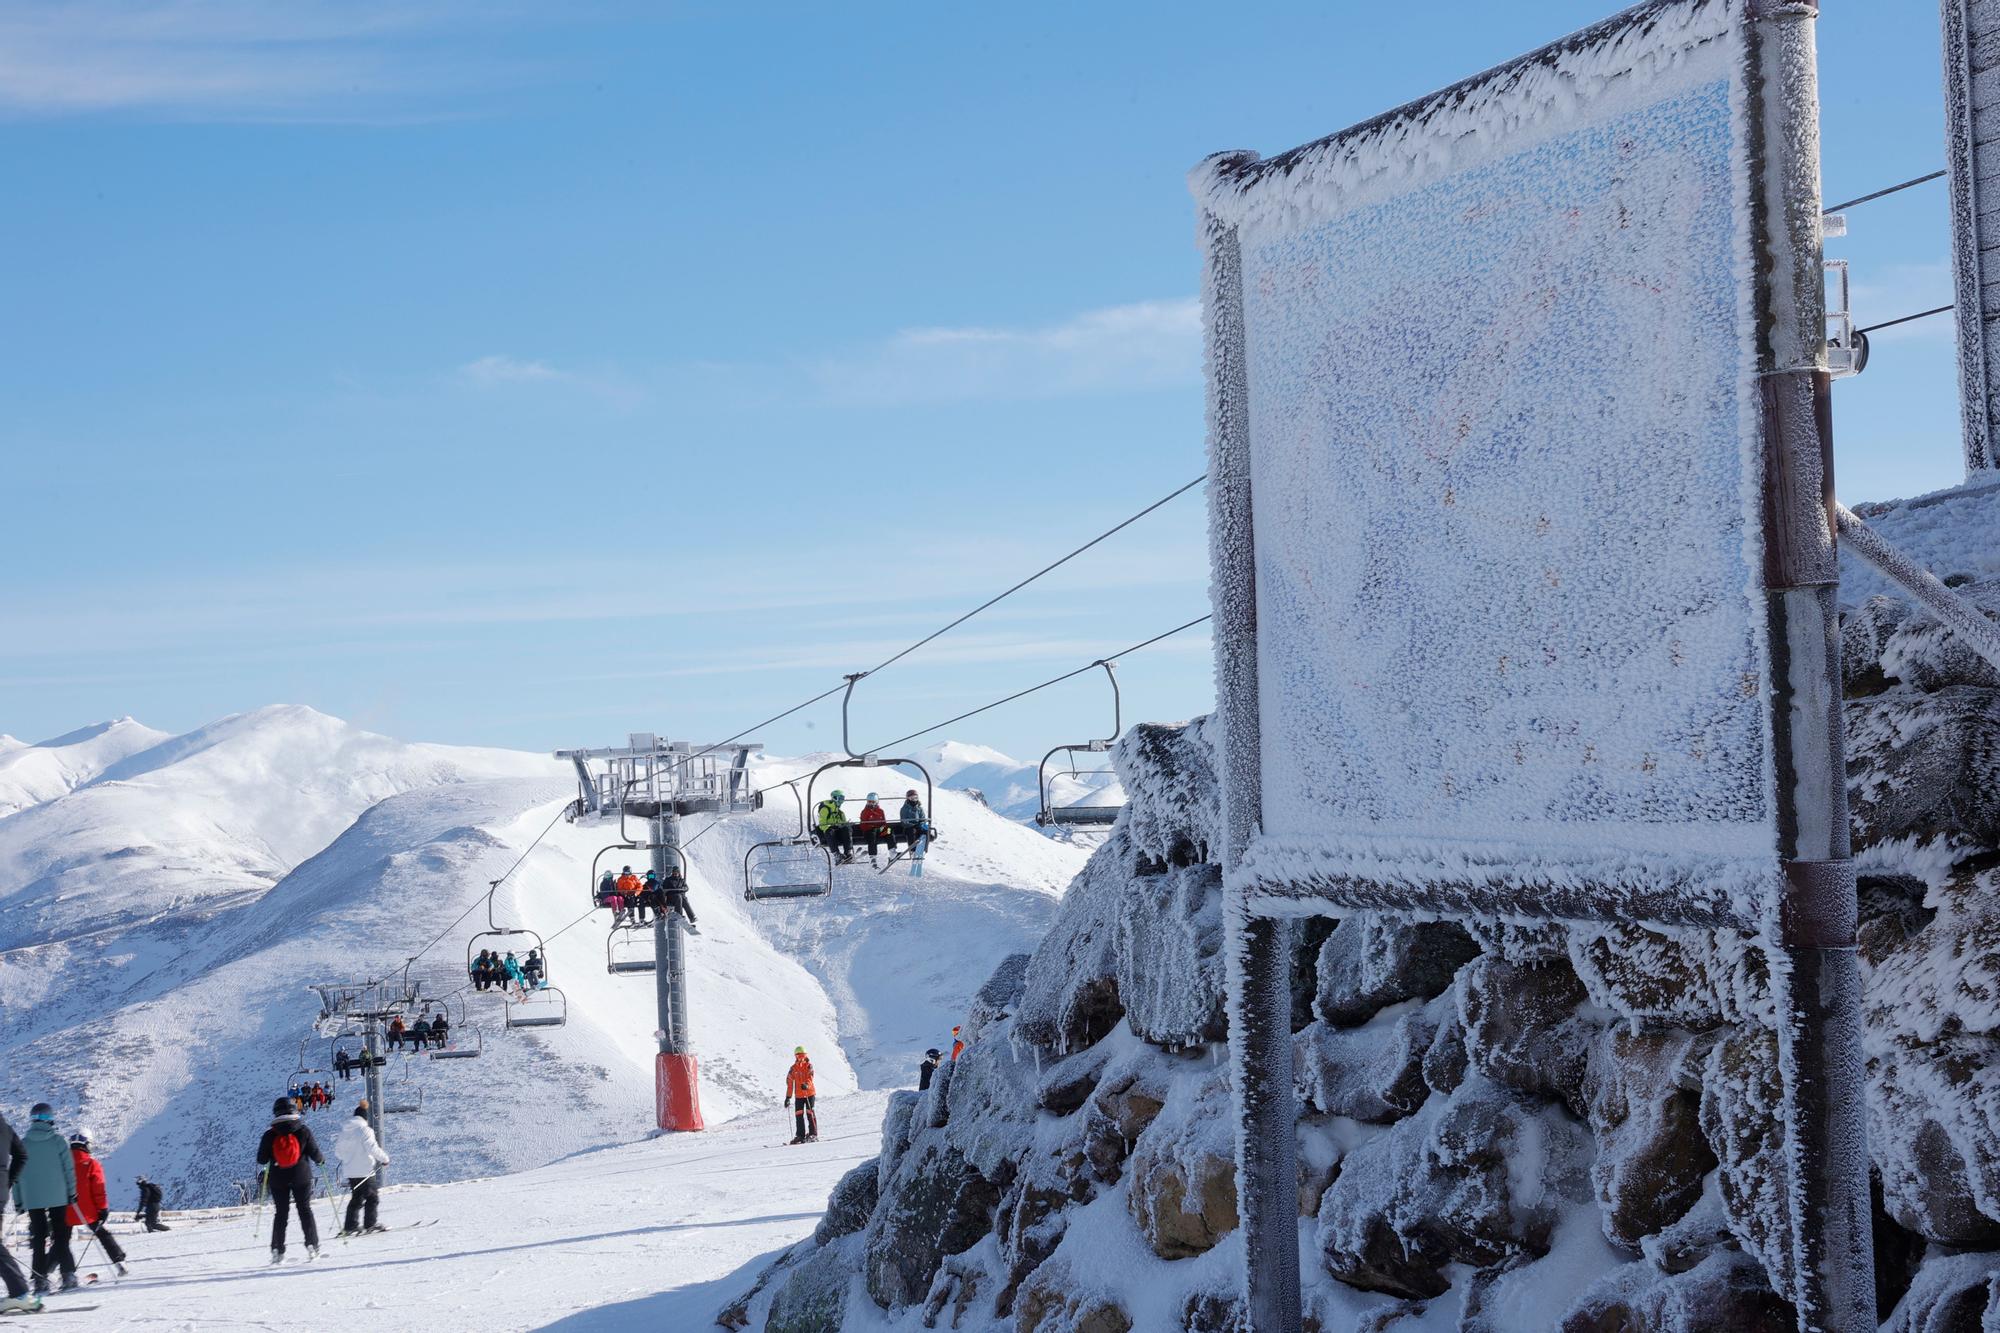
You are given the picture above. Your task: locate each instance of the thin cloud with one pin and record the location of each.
(1149, 344)
(239, 59)
(493, 370)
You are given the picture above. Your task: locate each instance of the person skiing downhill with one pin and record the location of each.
(361, 1159)
(800, 1099)
(13, 1156)
(92, 1209)
(286, 1154)
(45, 1189)
(151, 1196)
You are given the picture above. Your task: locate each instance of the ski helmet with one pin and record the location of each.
(81, 1137)
(283, 1106)
(839, 795)
(911, 793)
(43, 1112)
(872, 796)
(934, 1053)
(798, 1050)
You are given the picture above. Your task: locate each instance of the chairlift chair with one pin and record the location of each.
(1097, 815)
(544, 1008)
(495, 931)
(402, 1097)
(462, 1051)
(891, 831)
(794, 867)
(628, 951)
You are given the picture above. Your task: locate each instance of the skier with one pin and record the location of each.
(647, 897)
(45, 1189)
(913, 826)
(440, 1031)
(674, 895)
(799, 1097)
(13, 1155)
(512, 967)
(874, 826)
(92, 1209)
(606, 888)
(628, 890)
(421, 1034)
(834, 833)
(957, 1043)
(151, 1196)
(361, 1159)
(341, 1065)
(534, 969)
(396, 1033)
(284, 1153)
(928, 1069)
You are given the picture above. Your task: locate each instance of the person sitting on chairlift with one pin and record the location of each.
(342, 1064)
(628, 889)
(396, 1034)
(874, 825)
(607, 887)
(649, 893)
(440, 1029)
(674, 897)
(834, 833)
(421, 1034)
(512, 967)
(533, 968)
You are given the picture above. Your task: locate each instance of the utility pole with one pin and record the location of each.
(660, 781)
(676, 1071)
(372, 1072)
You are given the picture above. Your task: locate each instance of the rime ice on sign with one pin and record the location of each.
(1503, 450)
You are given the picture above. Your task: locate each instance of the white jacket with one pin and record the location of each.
(357, 1150)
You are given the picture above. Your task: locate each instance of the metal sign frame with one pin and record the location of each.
(1812, 909)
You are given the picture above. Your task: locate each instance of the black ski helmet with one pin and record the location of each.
(42, 1111)
(283, 1106)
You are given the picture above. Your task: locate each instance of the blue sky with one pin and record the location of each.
(525, 375)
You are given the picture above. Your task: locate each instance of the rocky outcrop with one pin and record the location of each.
(1478, 1097)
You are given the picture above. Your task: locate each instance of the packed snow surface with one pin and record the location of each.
(651, 1235)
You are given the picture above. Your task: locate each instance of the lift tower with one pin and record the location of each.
(661, 781)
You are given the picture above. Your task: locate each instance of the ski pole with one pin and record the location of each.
(257, 1210)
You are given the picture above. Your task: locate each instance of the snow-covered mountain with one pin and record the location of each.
(32, 774)
(160, 921)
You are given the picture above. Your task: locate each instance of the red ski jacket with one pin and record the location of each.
(91, 1204)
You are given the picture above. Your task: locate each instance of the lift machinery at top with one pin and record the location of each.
(660, 781)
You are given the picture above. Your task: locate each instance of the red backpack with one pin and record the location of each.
(285, 1150)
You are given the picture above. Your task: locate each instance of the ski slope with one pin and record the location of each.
(659, 1234)
(159, 924)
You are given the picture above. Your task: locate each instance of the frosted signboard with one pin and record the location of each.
(1502, 443)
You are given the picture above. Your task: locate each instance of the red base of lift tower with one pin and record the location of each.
(677, 1091)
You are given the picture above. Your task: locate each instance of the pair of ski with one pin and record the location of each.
(383, 1231)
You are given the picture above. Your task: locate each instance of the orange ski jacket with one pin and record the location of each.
(799, 1079)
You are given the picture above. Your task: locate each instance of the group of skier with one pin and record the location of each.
(631, 897)
(423, 1033)
(311, 1096)
(493, 971)
(286, 1156)
(60, 1186)
(347, 1066)
(833, 831)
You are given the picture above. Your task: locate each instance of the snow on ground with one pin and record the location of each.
(1014, 788)
(652, 1235)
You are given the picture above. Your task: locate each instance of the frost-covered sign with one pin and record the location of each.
(1502, 441)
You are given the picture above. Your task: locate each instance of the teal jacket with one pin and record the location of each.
(47, 1178)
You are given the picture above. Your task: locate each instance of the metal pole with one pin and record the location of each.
(1815, 977)
(1961, 617)
(1258, 949)
(669, 976)
(372, 1072)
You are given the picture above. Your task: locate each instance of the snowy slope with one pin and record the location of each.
(32, 774)
(652, 1235)
(158, 939)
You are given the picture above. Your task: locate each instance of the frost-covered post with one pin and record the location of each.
(1817, 980)
(371, 1070)
(1972, 150)
(1258, 948)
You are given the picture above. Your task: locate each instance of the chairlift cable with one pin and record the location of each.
(1862, 199)
(580, 920)
(941, 632)
(1921, 314)
(492, 887)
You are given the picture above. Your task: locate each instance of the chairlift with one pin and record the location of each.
(305, 1068)
(402, 1097)
(544, 1008)
(794, 867)
(505, 934)
(461, 1051)
(596, 876)
(892, 834)
(1085, 815)
(628, 951)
